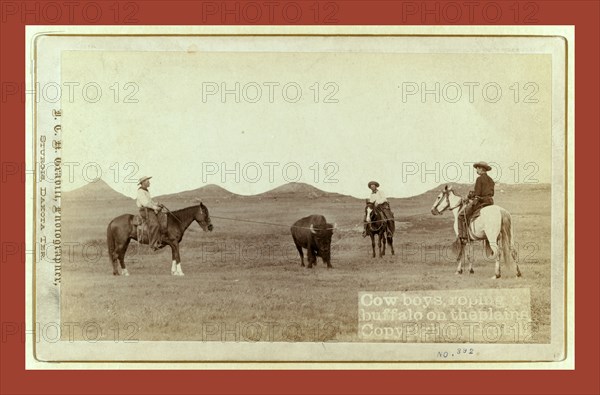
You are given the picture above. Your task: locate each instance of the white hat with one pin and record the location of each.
(143, 179)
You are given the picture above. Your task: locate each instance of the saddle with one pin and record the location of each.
(475, 215)
(477, 212)
(142, 228)
(139, 220)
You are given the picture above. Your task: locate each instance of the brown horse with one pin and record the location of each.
(378, 225)
(121, 230)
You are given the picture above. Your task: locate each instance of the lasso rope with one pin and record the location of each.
(261, 222)
(304, 227)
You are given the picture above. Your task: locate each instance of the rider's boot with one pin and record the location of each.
(157, 243)
(463, 235)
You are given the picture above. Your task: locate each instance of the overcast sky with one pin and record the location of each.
(355, 119)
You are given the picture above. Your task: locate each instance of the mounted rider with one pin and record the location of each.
(381, 203)
(149, 210)
(481, 196)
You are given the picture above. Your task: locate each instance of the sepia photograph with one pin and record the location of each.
(299, 195)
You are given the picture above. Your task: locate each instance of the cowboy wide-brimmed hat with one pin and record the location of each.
(483, 165)
(373, 183)
(143, 179)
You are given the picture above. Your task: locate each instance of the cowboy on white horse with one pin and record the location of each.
(493, 226)
(481, 196)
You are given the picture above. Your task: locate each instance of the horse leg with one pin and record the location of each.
(459, 258)
(379, 243)
(113, 248)
(391, 243)
(383, 239)
(513, 253)
(122, 252)
(118, 257)
(497, 270)
(176, 259)
(496, 255)
(470, 255)
(373, 244)
(515, 257)
(114, 259)
(510, 251)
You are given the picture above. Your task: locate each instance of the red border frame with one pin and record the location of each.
(14, 379)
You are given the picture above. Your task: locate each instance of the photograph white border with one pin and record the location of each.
(224, 354)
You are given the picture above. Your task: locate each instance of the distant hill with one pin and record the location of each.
(299, 190)
(463, 190)
(101, 191)
(292, 190)
(98, 190)
(210, 191)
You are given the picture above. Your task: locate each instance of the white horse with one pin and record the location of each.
(494, 226)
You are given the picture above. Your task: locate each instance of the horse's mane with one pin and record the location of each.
(454, 193)
(187, 212)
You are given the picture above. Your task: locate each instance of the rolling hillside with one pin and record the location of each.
(95, 191)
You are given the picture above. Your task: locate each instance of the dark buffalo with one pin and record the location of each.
(314, 234)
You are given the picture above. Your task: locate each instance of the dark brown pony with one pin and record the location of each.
(377, 225)
(121, 231)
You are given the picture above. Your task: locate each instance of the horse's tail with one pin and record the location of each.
(506, 232)
(513, 250)
(391, 228)
(110, 242)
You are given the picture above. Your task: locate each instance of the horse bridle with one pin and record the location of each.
(382, 223)
(447, 196)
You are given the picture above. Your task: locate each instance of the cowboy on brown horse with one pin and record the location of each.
(481, 196)
(381, 203)
(149, 210)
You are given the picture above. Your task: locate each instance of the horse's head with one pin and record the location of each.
(442, 202)
(370, 213)
(203, 218)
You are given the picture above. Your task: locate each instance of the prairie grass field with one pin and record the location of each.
(245, 273)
